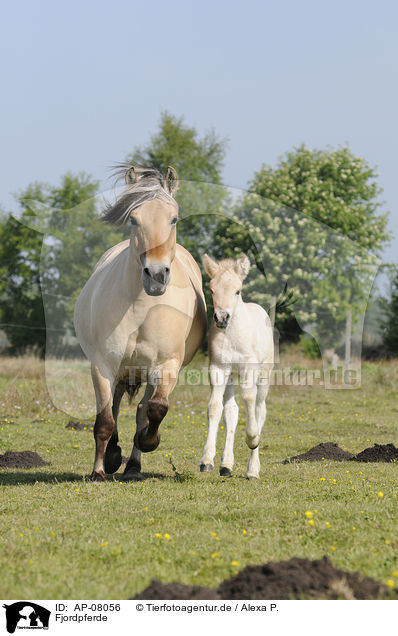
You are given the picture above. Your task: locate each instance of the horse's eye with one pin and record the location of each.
(238, 292)
(174, 220)
(133, 221)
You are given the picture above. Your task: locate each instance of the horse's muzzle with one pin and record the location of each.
(155, 278)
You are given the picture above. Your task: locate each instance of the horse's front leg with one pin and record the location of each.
(218, 380)
(147, 438)
(132, 472)
(104, 422)
(113, 452)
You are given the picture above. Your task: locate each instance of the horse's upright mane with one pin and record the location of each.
(149, 184)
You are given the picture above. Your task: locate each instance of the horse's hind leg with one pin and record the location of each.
(113, 452)
(231, 414)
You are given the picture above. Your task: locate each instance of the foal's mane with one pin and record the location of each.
(149, 184)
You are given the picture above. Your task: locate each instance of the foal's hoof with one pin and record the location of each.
(252, 477)
(225, 472)
(145, 445)
(133, 475)
(98, 477)
(112, 459)
(206, 468)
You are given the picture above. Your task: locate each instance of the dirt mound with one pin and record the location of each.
(327, 450)
(176, 591)
(293, 579)
(298, 579)
(77, 426)
(21, 459)
(378, 453)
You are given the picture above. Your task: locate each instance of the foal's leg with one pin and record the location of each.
(231, 414)
(104, 422)
(132, 472)
(218, 380)
(249, 395)
(253, 468)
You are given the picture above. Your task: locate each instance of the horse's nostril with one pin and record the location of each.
(167, 270)
(146, 271)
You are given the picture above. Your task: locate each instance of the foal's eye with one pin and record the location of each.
(133, 221)
(173, 220)
(237, 293)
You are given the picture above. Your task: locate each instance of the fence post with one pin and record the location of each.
(347, 347)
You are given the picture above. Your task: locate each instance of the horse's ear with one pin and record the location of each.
(242, 267)
(130, 175)
(210, 266)
(171, 181)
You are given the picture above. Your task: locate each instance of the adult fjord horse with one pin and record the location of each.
(140, 317)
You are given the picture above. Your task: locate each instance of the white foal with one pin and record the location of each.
(240, 344)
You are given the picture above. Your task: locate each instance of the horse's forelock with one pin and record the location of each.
(149, 185)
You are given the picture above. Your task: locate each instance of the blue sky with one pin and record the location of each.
(85, 82)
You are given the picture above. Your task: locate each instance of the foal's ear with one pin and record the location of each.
(210, 266)
(242, 267)
(171, 181)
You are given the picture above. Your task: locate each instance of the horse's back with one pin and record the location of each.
(110, 254)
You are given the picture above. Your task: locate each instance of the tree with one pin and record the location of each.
(43, 269)
(389, 322)
(198, 161)
(21, 306)
(311, 223)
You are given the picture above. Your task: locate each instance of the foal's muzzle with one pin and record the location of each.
(221, 318)
(155, 278)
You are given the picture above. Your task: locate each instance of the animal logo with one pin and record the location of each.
(26, 615)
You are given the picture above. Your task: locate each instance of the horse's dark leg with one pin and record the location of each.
(113, 453)
(103, 429)
(147, 438)
(132, 472)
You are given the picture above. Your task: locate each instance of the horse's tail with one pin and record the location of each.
(286, 299)
(132, 390)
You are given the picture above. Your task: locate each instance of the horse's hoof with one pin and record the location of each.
(225, 472)
(112, 459)
(143, 445)
(252, 477)
(133, 475)
(206, 468)
(98, 477)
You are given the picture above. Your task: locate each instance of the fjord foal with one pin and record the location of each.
(140, 317)
(241, 345)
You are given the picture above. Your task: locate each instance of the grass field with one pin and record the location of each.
(64, 537)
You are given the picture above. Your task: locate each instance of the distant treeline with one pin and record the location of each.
(310, 225)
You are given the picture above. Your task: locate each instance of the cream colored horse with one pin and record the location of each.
(240, 344)
(140, 317)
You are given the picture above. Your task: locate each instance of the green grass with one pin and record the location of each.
(64, 537)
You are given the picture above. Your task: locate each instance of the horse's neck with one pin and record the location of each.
(132, 273)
